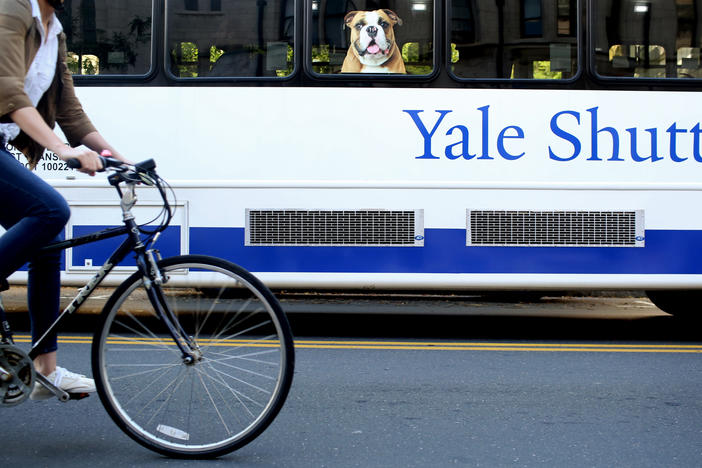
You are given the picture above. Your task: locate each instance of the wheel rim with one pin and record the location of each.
(223, 400)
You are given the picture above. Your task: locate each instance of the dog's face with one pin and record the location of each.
(372, 34)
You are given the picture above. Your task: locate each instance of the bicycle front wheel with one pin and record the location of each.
(218, 402)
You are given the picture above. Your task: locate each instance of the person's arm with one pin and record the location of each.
(29, 120)
(15, 20)
(95, 141)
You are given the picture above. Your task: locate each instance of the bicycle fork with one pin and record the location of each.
(147, 262)
(153, 280)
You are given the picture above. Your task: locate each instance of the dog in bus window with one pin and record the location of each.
(373, 48)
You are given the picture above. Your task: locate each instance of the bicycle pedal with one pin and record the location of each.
(78, 396)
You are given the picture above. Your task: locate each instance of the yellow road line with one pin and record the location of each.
(418, 346)
(477, 346)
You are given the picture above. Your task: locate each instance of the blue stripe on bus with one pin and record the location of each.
(444, 251)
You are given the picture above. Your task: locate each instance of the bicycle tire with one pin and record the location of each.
(216, 405)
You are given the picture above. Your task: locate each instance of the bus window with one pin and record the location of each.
(646, 38)
(513, 39)
(108, 38)
(380, 37)
(215, 39)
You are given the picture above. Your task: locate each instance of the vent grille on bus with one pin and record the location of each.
(319, 227)
(556, 228)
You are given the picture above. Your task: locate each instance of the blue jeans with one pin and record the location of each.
(33, 214)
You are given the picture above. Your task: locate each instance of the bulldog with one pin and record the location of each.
(373, 48)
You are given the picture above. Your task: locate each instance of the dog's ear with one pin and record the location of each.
(349, 17)
(393, 16)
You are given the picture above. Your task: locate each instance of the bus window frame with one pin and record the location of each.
(229, 79)
(580, 43)
(157, 16)
(371, 78)
(626, 80)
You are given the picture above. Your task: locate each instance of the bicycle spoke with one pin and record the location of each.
(173, 390)
(136, 341)
(199, 327)
(153, 382)
(137, 374)
(239, 380)
(214, 405)
(149, 335)
(229, 406)
(258, 374)
(243, 345)
(258, 361)
(242, 332)
(236, 393)
(231, 324)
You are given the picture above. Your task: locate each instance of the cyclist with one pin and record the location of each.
(36, 91)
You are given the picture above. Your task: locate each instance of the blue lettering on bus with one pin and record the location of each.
(635, 147)
(501, 146)
(484, 118)
(460, 149)
(463, 142)
(560, 133)
(594, 138)
(423, 130)
(696, 142)
(673, 131)
(606, 142)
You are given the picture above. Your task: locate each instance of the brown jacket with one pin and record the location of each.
(19, 42)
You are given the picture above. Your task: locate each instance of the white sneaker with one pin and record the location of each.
(66, 381)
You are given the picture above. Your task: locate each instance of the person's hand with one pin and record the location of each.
(89, 160)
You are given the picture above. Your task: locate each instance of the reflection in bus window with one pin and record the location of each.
(513, 39)
(689, 62)
(532, 19)
(187, 55)
(647, 38)
(212, 5)
(230, 39)
(108, 38)
(386, 37)
(83, 65)
(644, 61)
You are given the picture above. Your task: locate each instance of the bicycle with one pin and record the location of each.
(192, 356)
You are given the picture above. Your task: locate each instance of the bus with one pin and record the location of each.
(511, 145)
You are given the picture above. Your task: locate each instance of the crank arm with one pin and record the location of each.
(60, 394)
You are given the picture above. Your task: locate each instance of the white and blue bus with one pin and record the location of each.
(529, 145)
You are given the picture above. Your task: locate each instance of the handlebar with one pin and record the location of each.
(144, 167)
(139, 173)
(106, 161)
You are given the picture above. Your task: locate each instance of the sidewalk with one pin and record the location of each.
(306, 302)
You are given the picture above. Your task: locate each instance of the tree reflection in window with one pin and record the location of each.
(108, 38)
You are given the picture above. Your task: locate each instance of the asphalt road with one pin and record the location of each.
(560, 382)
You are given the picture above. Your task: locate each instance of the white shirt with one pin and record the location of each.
(41, 71)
